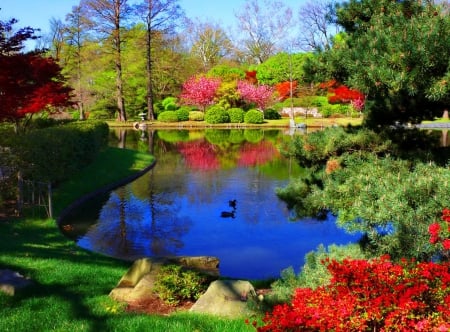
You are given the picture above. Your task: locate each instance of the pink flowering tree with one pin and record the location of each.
(200, 91)
(260, 95)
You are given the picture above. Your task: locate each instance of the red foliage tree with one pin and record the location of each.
(250, 76)
(200, 91)
(284, 89)
(29, 83)
(345, 95)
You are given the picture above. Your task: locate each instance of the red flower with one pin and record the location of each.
(446, 244)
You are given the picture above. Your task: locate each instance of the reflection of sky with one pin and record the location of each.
(182, 216)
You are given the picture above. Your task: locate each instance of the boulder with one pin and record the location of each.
(227, 298)
(11, 281)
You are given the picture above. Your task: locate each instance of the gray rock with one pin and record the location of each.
(11, 281)
(226, 298)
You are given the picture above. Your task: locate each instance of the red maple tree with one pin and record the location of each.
(29, 82)
(284, 89)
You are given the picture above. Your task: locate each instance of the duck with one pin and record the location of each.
(232, 203)
(227, 214)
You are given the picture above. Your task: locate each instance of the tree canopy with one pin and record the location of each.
(29, 82)
(395, 52)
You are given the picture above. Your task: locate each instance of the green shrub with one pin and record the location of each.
(236, 115)
(173, 284)
(183, 113)
(169, 104)
(158, 108)
(196, 116)
(168, 116)
(271, 114)
(332, 109)
(319, 101)
(254, 116)
(99, 115)
(216, 114)
(313, 273)
(55, 153)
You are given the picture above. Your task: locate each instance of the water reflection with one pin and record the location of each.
(178, 207)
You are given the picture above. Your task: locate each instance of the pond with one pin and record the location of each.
(211, 192)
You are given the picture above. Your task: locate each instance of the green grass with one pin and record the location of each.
(438, 120)
(71, 285)
(112, 165)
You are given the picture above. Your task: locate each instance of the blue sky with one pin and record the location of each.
(37, 13)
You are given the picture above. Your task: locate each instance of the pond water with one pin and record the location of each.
(211, 192)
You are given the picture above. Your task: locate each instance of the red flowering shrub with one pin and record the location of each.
(375, 295)
(440, 235)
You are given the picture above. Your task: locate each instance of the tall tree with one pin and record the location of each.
(210, 43)
(55, 39)
(282, 67)
(266, 28)
(400, 58)
(108, 18)
(75, 34)
(316, 22)
(160, 16)
(397, 53)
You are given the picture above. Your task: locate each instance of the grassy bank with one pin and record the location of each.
(281, 123)
(70, 285)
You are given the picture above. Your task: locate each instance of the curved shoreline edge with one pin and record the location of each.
(103, 190)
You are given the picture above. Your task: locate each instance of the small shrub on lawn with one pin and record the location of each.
(168, 116)
(196, 116)
(183, 113)
(216, 114)
(236, 115)
(169, 104)
(271, 114)
(173, 284)
(254, 116)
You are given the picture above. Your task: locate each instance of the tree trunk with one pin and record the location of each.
(150, 111)
(118, 64)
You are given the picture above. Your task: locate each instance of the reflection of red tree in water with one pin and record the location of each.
(257, 154)
(199, 155)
